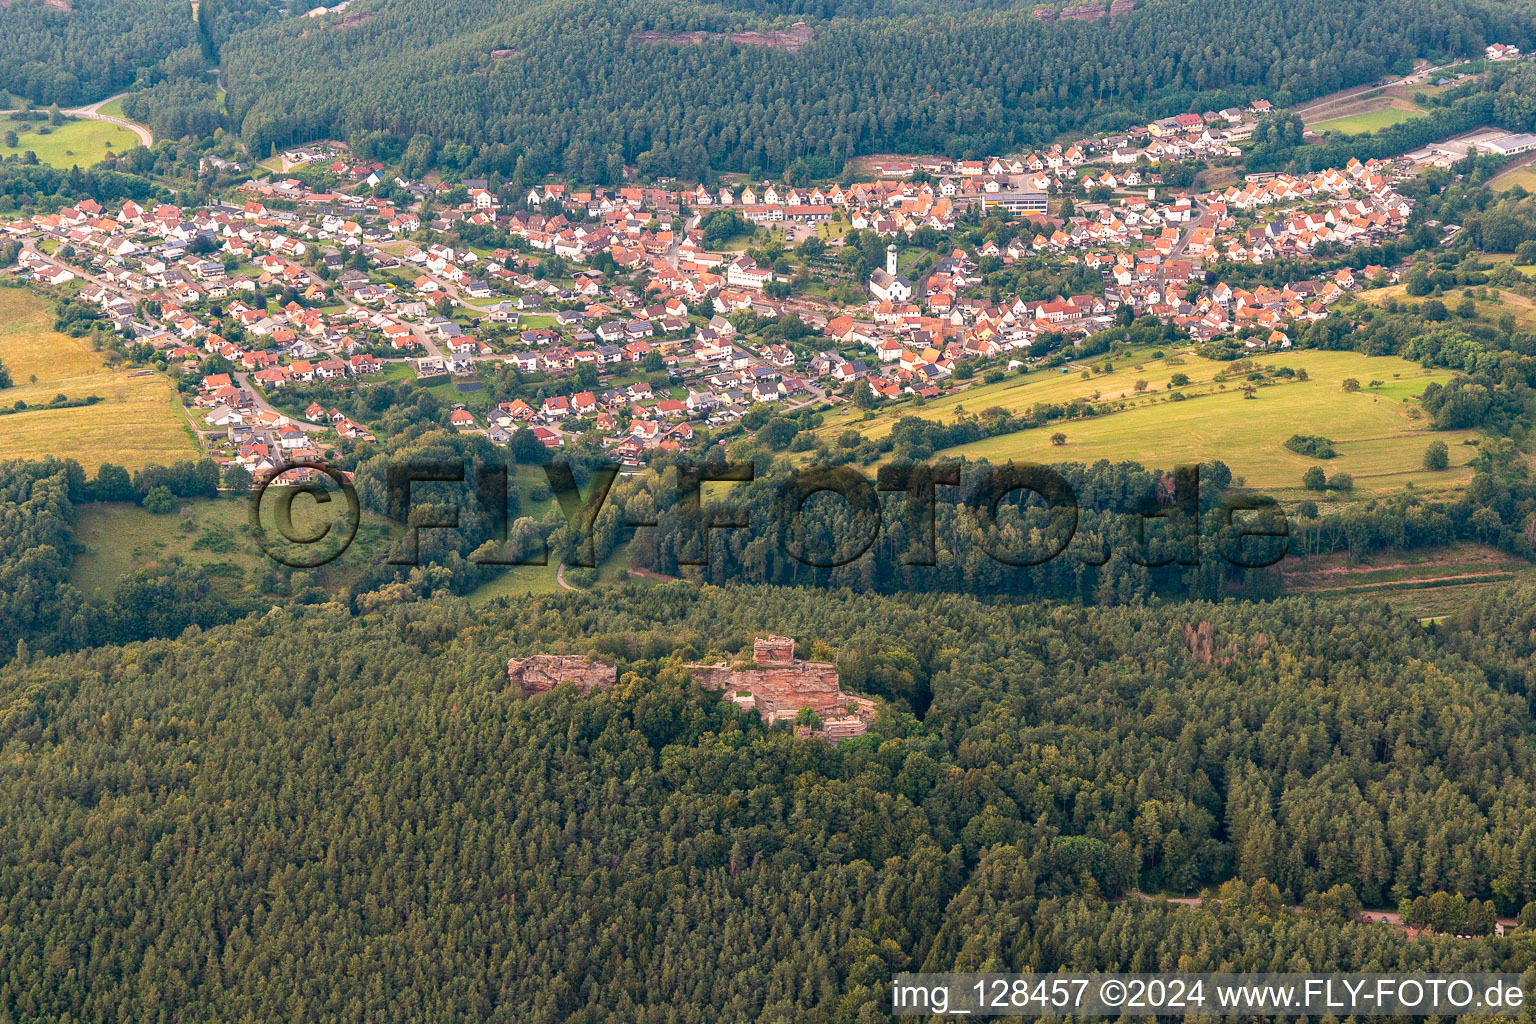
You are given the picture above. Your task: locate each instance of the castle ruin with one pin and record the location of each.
(540, 673)
(778, 686)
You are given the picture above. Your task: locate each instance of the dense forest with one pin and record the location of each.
(176, 108)
(217, 20)
(577, 87)
(314, 815)
(84, 50)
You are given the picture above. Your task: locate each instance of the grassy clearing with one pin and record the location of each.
(832, 230)
(517, 581)
(1522, 308)
(444, 391)
(82, 141)
(1021, 392)
(1525, 177)
(116, 539)
(1378, 439)
(136, 424)
(524, 580)
(521, 580)
(1498, 259)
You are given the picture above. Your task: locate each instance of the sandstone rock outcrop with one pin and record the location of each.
(540, 673)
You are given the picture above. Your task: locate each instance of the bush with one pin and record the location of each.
(1341, 482)
(1313, 479)
(1436, 456)
(1311, 445)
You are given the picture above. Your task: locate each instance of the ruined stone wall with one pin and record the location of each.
(799, 685)
(780, 689)
(540, 673)
(773, 650)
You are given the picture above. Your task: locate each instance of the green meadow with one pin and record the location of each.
(1378, 431)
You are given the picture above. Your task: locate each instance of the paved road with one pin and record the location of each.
(428, 342)
(265, 406)
(94, 113)
(1194, 225)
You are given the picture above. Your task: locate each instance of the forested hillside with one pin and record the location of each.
(82, 50)
(307, 815)
(217, 20)
(578, 86)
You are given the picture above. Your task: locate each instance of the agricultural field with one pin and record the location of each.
(80, 142)
(1378, 436)
(138, 422)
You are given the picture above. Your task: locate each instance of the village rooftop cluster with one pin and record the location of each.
(369, 291)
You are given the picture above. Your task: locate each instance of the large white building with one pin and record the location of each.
(743, 273)
(1510, 145)
(1016, 202)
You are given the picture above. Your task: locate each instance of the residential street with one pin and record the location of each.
(261, 403)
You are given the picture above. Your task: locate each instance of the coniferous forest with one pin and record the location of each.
(83, 50)
(576, 87)
(314, 815)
